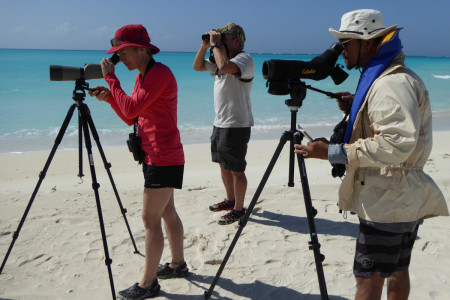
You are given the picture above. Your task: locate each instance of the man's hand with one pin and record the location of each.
(345, 102)
(100, 92)
(317, 148)
(215, 37)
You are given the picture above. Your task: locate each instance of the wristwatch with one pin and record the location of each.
(215, 46)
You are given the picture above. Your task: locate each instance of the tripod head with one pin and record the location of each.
(79, 92)
(297, 90)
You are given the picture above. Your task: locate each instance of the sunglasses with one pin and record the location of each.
(120, 41)
(343, 42)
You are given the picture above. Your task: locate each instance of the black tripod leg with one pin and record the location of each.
(42, 175)
(107, 167)
(84, 113)
(244, 219)
(80, 148)
(314, 244)
(291, 148)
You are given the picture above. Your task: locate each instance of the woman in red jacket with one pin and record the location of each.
(153, 104)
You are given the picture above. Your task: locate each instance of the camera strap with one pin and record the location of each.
(136, 125)
(245, 80)
(213, 60)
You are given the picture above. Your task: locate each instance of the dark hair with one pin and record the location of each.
(378, 40)
(149, 52)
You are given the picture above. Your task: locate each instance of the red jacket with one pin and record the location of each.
(154, 100)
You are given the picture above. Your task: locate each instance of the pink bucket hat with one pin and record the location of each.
(134, 35)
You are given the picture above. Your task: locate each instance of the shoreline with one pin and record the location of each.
(70, 141)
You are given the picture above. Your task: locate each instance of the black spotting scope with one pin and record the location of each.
(318, 68)
(90, 71)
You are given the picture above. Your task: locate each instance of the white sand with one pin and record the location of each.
(59, 253)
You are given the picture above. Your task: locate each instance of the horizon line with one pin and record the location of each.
(174, 51)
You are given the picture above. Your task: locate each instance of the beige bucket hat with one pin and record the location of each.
(363, 24)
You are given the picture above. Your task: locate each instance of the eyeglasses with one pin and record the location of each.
(343, 42)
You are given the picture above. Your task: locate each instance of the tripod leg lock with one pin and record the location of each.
(313, 246)
(95, 186)
(108, 261)
(242, 222)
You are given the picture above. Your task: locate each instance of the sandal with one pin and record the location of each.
(167, 272)
(135, 292)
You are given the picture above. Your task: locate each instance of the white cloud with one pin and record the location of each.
(101, 31)
(65, 29)
(24, 30)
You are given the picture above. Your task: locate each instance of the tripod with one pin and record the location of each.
(294, 137)
(85, 124)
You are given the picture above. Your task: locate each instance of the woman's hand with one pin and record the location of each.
(100, 92)
(107, 66)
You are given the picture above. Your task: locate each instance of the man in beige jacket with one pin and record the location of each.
(387, 143)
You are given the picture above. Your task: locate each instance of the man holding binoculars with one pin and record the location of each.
(233, 70)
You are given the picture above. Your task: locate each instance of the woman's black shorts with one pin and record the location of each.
(163, 176)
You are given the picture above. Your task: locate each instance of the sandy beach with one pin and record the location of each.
(59, 253)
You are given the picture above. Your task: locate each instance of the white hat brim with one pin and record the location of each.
(339, 35)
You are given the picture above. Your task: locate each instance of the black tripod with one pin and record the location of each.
(84, 124)
(294, 137)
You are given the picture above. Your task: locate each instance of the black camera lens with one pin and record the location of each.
(205, 37)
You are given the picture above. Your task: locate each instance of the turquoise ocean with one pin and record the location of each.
(33, 108)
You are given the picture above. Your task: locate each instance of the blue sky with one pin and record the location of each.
(271, 26)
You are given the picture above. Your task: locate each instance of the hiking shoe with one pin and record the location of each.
(231, 217)
(167, 272)
(224, 205)
(135, 292)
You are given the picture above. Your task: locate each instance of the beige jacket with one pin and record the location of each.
(389, 146)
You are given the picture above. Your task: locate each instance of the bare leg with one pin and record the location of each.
(174, 231)
(369, 288)
(240, 187)
(398, 286)
(155, 203)
(227, 179)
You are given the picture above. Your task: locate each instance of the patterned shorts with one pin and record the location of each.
(382, 251)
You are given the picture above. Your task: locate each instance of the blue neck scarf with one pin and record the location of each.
(389, 49)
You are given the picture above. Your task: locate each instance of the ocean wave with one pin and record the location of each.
(441, 76)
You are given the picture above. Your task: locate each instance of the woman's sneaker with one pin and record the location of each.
(231, 217)
(224, 205)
